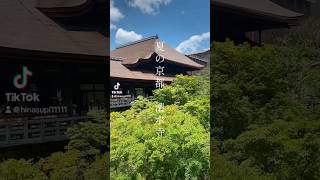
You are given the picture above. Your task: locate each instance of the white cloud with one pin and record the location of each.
(123, 36)
(112, 26)
(149, 6)
(194, 44)
(115, 15)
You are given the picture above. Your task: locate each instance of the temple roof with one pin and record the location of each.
(144, 49)
(118, 70)
(67, 8)
(201, 56)
(60, 3)
(259, 8)
(26, 28)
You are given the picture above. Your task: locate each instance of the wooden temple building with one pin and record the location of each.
(53, 65)
(202, 58)
(133, 66)
(246, 20)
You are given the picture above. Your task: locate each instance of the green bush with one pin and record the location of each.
(20, 170)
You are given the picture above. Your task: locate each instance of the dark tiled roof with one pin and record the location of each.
(144, 49)
(48, 4)
(264, 8)
(25, 27)
(201, 56)
(118, 70)
(64, 8)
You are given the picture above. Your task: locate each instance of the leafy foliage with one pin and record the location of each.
(98, 169)
(90, 138)
(183, 89)
(84, 159)
(265, 115)
(182, 153)
(136, 150)
(20, 170)
(61, 165)
(285, 149)
(229, 170)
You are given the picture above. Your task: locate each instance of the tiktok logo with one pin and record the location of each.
(20, 81)
(116, 89)
(117, 86)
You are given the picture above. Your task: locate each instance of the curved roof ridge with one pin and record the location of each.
(146, 48)
(138, 41)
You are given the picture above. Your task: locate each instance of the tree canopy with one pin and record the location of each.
(265, 108)
(182, 152)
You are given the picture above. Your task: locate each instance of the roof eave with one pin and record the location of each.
(258, 14)
(69, 11)
(37, 55)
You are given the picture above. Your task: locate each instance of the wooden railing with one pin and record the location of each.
(21, 131)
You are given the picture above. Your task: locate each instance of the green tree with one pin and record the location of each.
(288, 150)
(183, 89)
(244, 80)
(224, 169)
(137, 151)
(199, 108)
(63, 165)
(90, 138)
(20, 170)
(84, 157)
(265, 113)
(99, 169)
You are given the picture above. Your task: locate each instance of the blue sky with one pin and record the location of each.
(182, 24)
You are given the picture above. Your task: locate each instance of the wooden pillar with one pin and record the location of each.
(260, 38)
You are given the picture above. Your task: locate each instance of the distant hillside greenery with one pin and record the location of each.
(265, 116)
